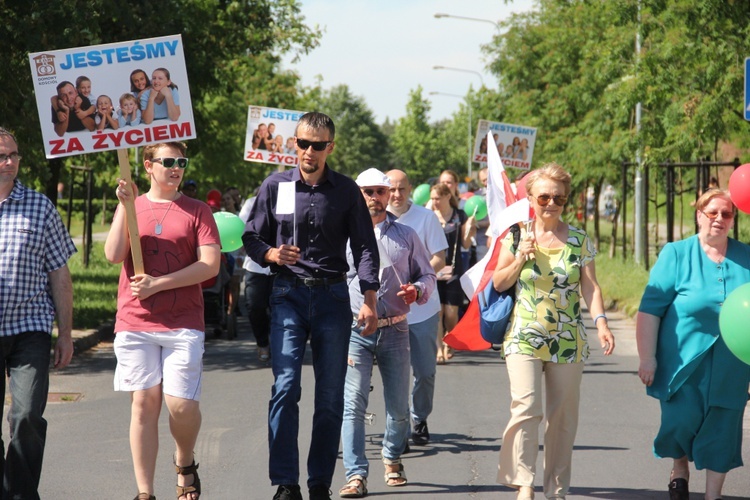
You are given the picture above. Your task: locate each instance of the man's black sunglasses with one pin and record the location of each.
(316, 145)
(169, 162)
(380, 191)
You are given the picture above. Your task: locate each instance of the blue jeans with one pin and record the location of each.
(25, 357)
(322, 314)
(391, 347)
(423, 342)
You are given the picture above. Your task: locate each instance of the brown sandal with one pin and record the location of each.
(184, 471)
(440, 357)
(447, 352)
(144, 496)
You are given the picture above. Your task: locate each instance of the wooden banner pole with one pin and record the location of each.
(135, 240)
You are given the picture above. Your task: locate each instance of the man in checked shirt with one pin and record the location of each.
(35, 285)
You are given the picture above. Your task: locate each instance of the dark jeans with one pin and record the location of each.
(323, 315)
(25, 358)
(257, 292)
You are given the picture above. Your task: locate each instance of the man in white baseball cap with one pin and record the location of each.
(372, 177)
(405, 277)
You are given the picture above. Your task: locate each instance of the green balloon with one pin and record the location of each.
(421, 194)
(231, 229)
(733, 320)
(476, 206)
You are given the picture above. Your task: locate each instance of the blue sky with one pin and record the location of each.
(382, 49)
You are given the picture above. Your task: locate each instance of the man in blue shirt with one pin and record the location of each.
(406, 276)
(299, 226)
(35, 286)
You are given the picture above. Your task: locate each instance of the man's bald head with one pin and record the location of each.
(400, 191)
(398, 175)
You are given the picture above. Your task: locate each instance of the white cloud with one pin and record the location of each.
(382, 49)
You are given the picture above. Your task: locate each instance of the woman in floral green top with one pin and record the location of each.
(551, 269)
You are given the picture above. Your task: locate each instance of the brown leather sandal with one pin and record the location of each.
(184, 471)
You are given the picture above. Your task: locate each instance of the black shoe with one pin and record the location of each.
(320, 492)
(678, 489)
(288, 492)
(420, 435)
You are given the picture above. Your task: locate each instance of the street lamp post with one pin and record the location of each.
(441, 15)
(462, 71)
(469, 138)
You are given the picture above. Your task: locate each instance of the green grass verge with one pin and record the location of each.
(622, 282)
(94, 288)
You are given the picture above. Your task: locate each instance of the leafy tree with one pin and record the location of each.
(232, 50)
(570, 69)
(482, 104)
(556, 75)
(691, 75)
(417, 149)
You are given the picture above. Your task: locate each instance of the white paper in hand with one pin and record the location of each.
(385, 261)
(285, 198)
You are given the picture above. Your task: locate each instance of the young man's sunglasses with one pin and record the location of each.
(544, 199)
(316, 145)
(170, 162)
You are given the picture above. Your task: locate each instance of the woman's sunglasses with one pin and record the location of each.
(715, 215)
(544, 199)
(316, 145)
(170, 162)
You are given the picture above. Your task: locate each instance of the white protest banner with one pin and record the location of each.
(515, 143)
(270, 135)
(112, 96)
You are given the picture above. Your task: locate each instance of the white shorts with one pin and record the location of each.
(172, 358)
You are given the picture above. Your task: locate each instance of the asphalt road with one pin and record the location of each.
(88, 453)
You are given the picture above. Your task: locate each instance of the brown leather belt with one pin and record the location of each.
(391, 321)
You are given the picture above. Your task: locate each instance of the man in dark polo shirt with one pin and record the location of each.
(300, 225)
(72, 111)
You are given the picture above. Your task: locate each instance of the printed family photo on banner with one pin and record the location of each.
(270, 135)
(112, 96)
(514, 143)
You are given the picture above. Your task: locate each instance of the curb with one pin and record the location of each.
(83, 340)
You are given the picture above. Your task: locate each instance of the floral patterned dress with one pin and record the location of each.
(546, 319)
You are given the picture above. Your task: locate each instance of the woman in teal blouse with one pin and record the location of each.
(684, 362)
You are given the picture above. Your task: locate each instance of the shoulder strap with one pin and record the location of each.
(458, 235)
(516, 232)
